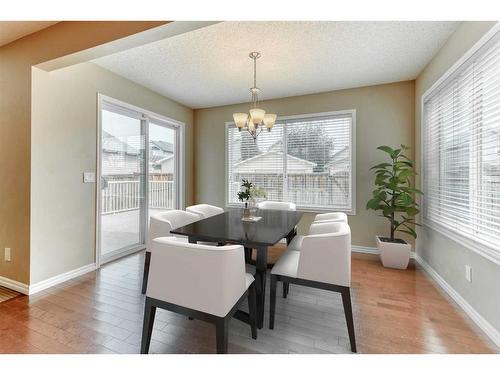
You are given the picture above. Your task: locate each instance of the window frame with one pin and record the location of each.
(352, 140)
(472, 243)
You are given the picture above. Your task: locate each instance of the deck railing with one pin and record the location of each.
(119, 196)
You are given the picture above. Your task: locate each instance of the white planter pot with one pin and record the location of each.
(394, 255)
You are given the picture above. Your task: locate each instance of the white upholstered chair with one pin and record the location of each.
(331, 216)
(205, 210)
(322, 261)
(160, 225)
(200, 281)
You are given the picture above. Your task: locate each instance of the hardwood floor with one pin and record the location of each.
(6, 294)
(101, 312)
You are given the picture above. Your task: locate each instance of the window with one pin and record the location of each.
(461, 151)
(306, 159)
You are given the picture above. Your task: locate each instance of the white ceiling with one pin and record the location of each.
(12, 30)
(210, 66)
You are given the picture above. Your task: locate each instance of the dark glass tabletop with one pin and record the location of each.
(228, 227)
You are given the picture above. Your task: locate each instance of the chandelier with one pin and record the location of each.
(257, 119)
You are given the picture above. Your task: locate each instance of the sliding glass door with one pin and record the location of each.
(139, 169)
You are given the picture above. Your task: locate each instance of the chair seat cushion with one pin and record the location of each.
(248, 279)
(296, 243)
(288, 264)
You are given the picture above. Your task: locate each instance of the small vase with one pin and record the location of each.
(246, 211)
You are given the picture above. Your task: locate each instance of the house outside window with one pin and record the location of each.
(307, 159)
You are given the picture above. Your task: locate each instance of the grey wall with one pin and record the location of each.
(448, 257)
(63, 145)
(384, 114)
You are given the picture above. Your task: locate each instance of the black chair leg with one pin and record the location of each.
(346, 300)
(147, 327)
(286, 289)
(252, 309)
(147, 261)
(221, 327)
(272, 304)
(248, 254)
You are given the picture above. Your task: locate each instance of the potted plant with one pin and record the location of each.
(394, 197)
(248, 195)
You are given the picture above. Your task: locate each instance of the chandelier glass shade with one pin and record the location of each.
(254, 121)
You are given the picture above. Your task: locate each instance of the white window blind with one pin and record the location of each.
(461, 155)
(305, 160)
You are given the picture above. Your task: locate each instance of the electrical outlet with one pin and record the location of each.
(468, 273)
(7, 256)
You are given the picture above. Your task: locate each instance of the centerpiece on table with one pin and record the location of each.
(249, 195)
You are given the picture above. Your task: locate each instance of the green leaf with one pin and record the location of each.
(386, 149)
(381, 166)
(382, 195)
(412, 211)
(373, 204)
(411, 233)
(388, 210)
(405, 174)
(395, 153)
(412, 190)
(403, 163)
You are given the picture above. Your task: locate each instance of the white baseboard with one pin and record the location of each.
(364, 250)
(477, 318)
(14, 285)
(41, 285)
(371, 250)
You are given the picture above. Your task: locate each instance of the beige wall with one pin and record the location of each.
(384, 114)
(447, 257)
(16, 60)
(64, 136)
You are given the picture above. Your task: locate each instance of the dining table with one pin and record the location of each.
(230, 228)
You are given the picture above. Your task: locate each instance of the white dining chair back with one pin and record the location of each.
(205, 210)
(200, 277)
(272, 205)
(331, 216)
(161, 223)
(325, 254)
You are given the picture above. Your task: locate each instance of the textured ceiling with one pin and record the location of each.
(12, 30)
(210, 66)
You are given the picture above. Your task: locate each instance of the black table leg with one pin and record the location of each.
(261, 268)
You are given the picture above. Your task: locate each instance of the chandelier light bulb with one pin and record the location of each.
(257, 115)
(269, 120)
(240, 119)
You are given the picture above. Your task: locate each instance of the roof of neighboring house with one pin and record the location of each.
(294, 163)
(164, 146)
(339, 160)
(162, 160)
(256, 157)
(131, 145)
(110, 143)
